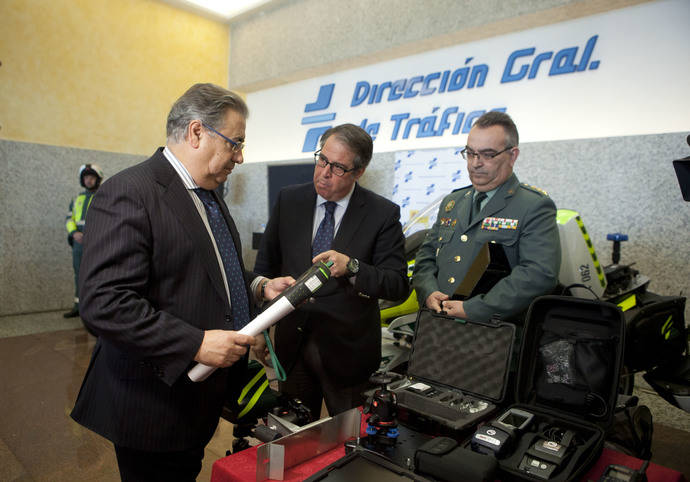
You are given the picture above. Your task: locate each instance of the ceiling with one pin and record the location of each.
(224, 11)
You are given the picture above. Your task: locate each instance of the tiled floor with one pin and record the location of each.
(41, 375)
(43, 358)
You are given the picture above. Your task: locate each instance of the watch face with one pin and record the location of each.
(353, 266)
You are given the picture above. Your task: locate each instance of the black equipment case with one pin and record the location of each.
(458, 370)
(568, 377)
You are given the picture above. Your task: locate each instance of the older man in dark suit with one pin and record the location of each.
(163, 286)
(330, 347)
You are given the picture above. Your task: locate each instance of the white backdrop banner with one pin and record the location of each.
(424, 176)
(623, 72)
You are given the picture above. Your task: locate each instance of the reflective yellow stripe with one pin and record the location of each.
(627, 303)
(78, 212)
(590, 248)
(666, 328)
(251, 383)
(78, 207)
(254, 399)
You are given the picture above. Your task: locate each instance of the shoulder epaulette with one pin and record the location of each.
(534, 189)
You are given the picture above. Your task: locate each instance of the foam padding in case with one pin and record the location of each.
(471, 357)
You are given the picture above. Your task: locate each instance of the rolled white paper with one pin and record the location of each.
(273, 313)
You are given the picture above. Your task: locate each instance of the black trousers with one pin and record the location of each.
(309, 382)
(141, 466)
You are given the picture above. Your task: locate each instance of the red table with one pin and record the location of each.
(241, 466)
(655, 473)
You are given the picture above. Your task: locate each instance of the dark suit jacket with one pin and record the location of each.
(344, 319)
(150, 284)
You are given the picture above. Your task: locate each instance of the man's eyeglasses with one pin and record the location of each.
(234, 146)
(469, 154)
(337, 169)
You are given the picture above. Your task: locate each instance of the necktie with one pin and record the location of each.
(477, 205)
(324, 235)
(233, 270)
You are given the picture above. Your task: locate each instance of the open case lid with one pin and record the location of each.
(467, 356)
(571, 357)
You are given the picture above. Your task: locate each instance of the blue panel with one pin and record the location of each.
(313, 119)
(312, 138)
(323, 100)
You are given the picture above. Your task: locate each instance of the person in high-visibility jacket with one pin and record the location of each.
(90, 177)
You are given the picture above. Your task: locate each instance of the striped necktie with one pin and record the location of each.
(231, 262)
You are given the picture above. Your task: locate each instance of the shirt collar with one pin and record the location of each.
(182, 171)
(342, 202)
(489, 194)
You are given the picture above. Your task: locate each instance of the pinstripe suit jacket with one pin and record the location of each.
(150, 284)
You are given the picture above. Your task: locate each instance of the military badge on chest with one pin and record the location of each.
(494, 224)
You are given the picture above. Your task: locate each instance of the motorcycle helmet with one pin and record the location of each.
(90, 169)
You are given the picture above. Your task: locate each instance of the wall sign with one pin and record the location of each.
(619, 73)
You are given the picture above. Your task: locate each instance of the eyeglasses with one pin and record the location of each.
(469, 154)
(337, 169)
(235, 146)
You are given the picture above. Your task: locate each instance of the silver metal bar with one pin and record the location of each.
(308, 442)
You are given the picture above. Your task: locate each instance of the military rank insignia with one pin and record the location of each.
(534, 188)
(494, 224)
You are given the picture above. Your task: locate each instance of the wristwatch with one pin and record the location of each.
(262, 296)
(352, 267)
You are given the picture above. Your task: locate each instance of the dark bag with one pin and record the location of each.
(655, 331)
(631, 432)
(251, 398)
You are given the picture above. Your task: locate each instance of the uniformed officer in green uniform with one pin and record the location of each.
(496, 208)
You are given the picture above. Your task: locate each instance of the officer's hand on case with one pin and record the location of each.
(434, 300)
(78, 236)
(454, 308)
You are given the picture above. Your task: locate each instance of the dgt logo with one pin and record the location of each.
(323, 100)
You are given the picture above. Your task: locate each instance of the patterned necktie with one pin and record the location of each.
(233, 270)
(324, 235)
(477, 205)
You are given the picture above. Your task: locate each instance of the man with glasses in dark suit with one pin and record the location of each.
(496, 209)
(331, 346)
(163, 286)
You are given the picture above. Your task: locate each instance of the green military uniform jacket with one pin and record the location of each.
(520, 218)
